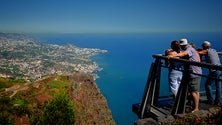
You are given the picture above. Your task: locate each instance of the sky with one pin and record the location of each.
(110, 16)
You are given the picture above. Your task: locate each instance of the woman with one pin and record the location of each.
(175, 75)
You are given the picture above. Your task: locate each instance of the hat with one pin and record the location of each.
(206, 43)
(183, 42)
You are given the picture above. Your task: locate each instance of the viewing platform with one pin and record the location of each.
(159, 107)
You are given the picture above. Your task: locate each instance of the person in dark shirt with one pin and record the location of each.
(212, 57)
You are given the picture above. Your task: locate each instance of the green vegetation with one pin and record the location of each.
(17, 81)
(6, 111)
(57, 84)
(59, 111)
(6, 83)
(19, 102)
(48, 104)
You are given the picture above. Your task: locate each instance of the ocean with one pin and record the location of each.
(126, 65)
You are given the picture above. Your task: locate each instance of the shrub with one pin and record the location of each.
(20, 107)
(21, 110)
(59, 111)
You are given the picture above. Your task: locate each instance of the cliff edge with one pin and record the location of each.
(91, 106)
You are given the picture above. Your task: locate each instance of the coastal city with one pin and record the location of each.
(27, 58)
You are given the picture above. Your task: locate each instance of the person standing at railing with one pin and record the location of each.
(174, 75)
(212, 57)
(194, 80)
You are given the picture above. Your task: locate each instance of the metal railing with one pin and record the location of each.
(148, 106)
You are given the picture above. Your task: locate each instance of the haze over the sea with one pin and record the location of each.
(115, 16)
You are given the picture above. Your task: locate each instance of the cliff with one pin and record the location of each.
(89, 105)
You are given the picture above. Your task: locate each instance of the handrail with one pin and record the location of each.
(184, 61)
(219, 53)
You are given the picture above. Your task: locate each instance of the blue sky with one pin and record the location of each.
(110, 16)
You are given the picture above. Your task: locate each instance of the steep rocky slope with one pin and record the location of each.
(90, 105)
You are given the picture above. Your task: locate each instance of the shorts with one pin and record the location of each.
(194, 84)
(174, 80)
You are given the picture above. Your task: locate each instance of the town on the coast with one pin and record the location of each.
(22, 56)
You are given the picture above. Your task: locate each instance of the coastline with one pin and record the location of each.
(43, 59)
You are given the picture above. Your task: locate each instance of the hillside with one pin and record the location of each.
(24, 103)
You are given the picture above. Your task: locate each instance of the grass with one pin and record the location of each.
(19, 102)
(57, 84)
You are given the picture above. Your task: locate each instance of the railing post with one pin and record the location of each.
(180, 102)
(151, 91)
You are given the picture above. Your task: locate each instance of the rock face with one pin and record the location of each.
(90, 105)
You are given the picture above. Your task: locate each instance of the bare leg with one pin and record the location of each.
(196, 97)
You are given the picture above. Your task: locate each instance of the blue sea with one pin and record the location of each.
(127, 63)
